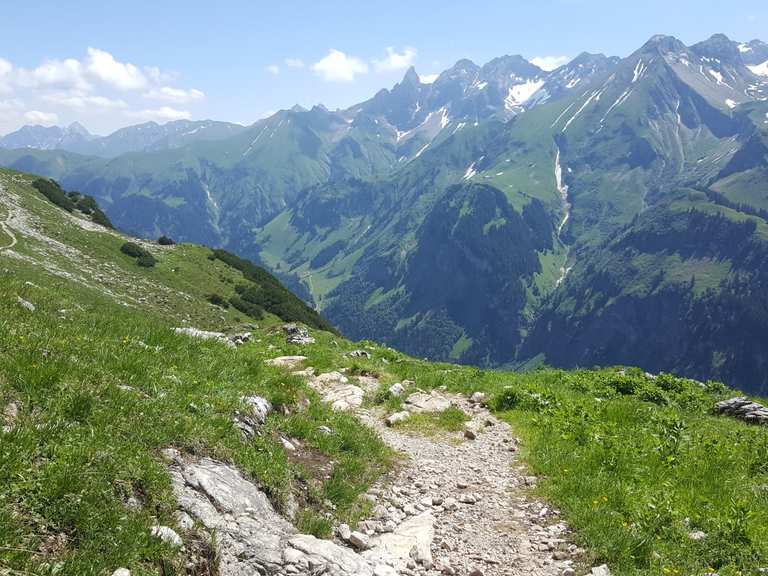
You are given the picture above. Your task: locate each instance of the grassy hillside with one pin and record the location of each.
(102, 384)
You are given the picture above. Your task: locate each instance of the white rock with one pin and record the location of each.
(121, 572)
(601, 571)
(167, 535)
(286, 362)
(397, 417)
(396, 389)
(359, 540)
(26, 304)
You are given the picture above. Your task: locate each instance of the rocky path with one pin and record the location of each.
(459, 503)
(4, 225)
(476, 494)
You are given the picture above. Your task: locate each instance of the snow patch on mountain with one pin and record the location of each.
(521, 93)
(760, 69)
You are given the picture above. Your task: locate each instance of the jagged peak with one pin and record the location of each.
(411, 77)
(718, 46)
(663, 43)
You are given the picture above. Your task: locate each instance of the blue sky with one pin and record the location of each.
(109, 64)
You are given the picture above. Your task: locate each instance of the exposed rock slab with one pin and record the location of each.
(251, 536)
(423, 402)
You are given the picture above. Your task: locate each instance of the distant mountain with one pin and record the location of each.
(611, 211)
(48, 137)
(139, 138)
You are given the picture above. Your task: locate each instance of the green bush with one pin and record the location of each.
(146, 261)
(53, 192)
(217, 300)
(165, 241)
(249, 308)
(133, 250)
(143, 257)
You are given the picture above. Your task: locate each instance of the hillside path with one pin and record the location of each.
(4, 224)
(478, 495)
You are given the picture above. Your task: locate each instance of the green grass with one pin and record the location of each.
(435, 424)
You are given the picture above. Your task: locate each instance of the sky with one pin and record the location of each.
(110, 64)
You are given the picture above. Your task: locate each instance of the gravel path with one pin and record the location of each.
(477, 492)
(4, 224)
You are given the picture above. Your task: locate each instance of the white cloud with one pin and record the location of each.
(428, 78)
(120, 75)
(162, 114)
(67, 73)
(6, 69)
(294, 63)
(338, 67)
(38, 117)
(174, 95)
(273, 69)
(550, 62)
(80, 101)
(396, 60)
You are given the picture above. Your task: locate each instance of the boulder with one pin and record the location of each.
(26, 304)
(744, 409)
(397, 417)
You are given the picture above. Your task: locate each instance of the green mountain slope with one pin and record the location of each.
(100, 384)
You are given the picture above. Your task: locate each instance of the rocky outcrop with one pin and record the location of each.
(744, 409)
(254, 417)
(231, 341)
(297, 335)
(251, 537)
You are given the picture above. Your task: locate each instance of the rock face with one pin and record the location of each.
(297, 335)
(251, 537)
(744, 409)
(205, 335)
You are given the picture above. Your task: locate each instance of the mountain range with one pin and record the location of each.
(612, 211)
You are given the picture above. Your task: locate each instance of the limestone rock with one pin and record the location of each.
(744, 409)
(297, 335)
(205, 335)
(397, 417)
(26, 304)
(432, 402)
(286, 362)
(251, 537)
(601, 571)
(167, 535)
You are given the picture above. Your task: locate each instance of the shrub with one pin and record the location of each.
(146, 261)
(165, 241)
(53, 192)
(100, 218)
(249, 308)
(217, 300)
(143, 258)
(133, 250)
